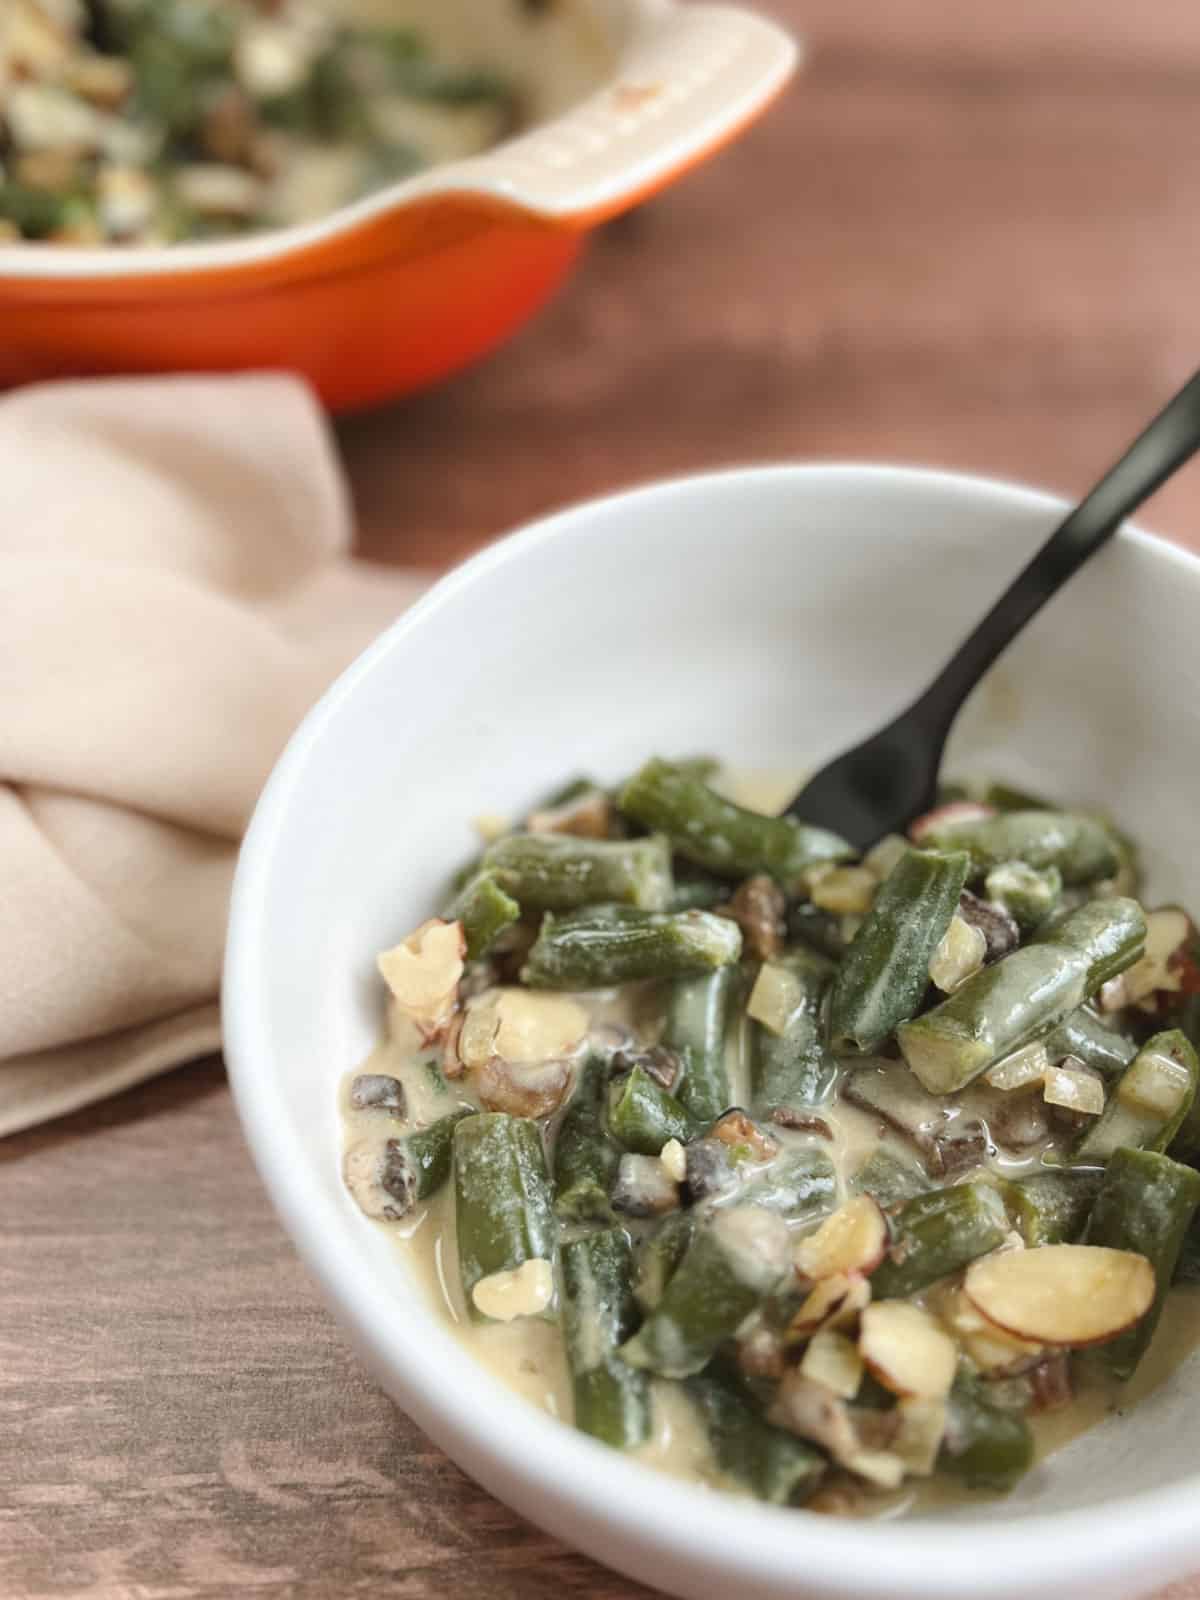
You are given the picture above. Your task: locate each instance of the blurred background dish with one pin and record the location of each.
(392, 290)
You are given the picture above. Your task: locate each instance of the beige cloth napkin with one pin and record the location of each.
(175, 591)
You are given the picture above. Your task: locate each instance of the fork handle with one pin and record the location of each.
(1170, 440)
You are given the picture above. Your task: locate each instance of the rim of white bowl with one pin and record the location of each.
(522, 1454)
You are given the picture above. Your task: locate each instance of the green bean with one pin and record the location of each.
(484, 910)
(888, 1178)
(819, 930)
(1005, 798)
(1051, 1207)
(768, 1462)
(1080, 847)
(696, 1024)
(608, 945)
(658, 1254)
(1187, 1267)
(612, 1399)
(986, 1446)
(885, 973)
(1146, 1204)
(1089, 1039)
(503, 1199)
(1029, 894)
(794, 1067)
(585, 1158)
(642, 1116)
(1023, 996)
(558, 872)
(734, 1261)
(938, 1233)
(697, 891)
(713, 832)
(1151, 1098)
(800, 1184)
(416, 1165)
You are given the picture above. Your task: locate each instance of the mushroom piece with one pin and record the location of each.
(801, 1121)
(379, 1179)
(812, 1411)
(995, 922)
(520, 1025)
(377, 1091)
(659, 1062)
(423, 972)
(523, 1089)
(759, 907)
(586, 816)
(736, 1130)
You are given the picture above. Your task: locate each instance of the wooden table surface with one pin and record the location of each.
(967, 236)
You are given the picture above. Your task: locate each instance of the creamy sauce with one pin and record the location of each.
(527, 1354)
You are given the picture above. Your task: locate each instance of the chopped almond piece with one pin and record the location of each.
(1023, 1067)
(1072, 1085)
(831, 1359)
(907, 1351)
(919, 1436)
(845, 890)
(959, 955)
(423, 973)
(1062, 1294)
(852, 1239)
(774, 998)
(833, 1303)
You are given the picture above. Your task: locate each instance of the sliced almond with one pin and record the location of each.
(880, 1467)
(919, 1436)
(520, 1025)
(1074, 1086)
(1062, 1294)
(852, 1239)
(959, 955)
(832, 1359)
(988, 1347)
(833, 1303)
(423, 973)
(948, 816)
(906, 1349)
(774, 997)
(1023, 1067)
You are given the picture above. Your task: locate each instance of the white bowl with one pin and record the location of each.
(772, 615)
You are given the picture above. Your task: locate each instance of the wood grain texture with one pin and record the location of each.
(968, 236)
